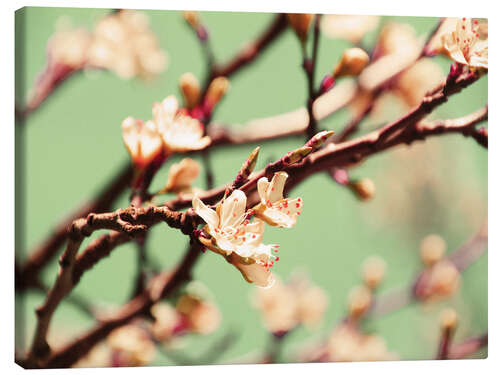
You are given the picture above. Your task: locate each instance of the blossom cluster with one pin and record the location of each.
(237, 233)
(171, 130)
(121, 42)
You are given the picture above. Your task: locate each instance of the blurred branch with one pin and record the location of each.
(130, 221)
(463, 257)
(28, 273)
(160, 287)
(468, 347)
(253, 49)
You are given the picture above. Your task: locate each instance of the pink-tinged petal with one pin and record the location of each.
(275, 189)
(130, 134)
(206, 213)
(262, 186)
(256, 273)
(151, 142)
(233, 209)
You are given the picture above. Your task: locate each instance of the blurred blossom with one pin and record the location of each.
(274, 209)
(441, 280)
(98, 356)
(123, 43)
(373, 271)
(131, 346)
(182, 175)
(397, 48)
(201, 316)
(284, 306)
(351, 28)
(142, 140)
(180, 132)
(413, 83)
(300, 23)
(348, 344)
(166, 320)
(69, 47)
(466, 45)
(432, 249)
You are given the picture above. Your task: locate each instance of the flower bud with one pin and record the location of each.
(249, 164)
(216, 91)
(364, 188)
(445, 279)
(327, 83)
(373, 271)
(317, 141)
(300, 23)
(192, 18)
(359, 301)
(352, 63)
(295, 156)
(190, 88)
(432, 249)
(449, 319)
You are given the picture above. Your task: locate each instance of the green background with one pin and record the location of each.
(73, 145)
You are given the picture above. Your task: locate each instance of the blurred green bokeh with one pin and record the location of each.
(73, 145)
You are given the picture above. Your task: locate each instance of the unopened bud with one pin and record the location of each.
(300, 23)
(190, 88)
(249, 164)
(373, 271)
(318, 140)
(364, 188)
(352, 63)
(432, 249)
(445, 278)
(297, 155)
(327, 83)
(359, 301)
(192, 18)
(187, 303)
(216, 91)
(449, 319)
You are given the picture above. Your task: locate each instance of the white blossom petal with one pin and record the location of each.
(206, 213)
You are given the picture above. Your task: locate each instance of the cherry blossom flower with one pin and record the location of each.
(124, 44)
(142, 140)
(236, 238)
(273, 208)
(180, 132)
(466, 45)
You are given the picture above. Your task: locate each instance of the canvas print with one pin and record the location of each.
(198, 188)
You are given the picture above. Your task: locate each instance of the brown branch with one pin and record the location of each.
(468, 347)
(254, 49)
(130, 221)
(445, 343)
(27, 274)
(161, 287)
